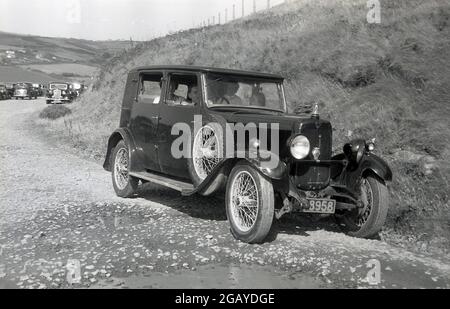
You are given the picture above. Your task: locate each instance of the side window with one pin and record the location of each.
(183, 89)
(150, 88)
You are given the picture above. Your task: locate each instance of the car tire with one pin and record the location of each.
(368, 222)
(251, 228)
(124, 185)
(196, 172)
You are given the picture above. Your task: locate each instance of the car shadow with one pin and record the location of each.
(213, 208)
(196, 206)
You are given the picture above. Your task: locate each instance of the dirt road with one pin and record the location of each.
(62, 226)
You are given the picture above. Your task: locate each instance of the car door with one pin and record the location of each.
(176, 110)
(144, 118)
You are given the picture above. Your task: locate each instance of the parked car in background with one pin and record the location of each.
(4, 94)
(42, 90)
(10, 88)
(304, 177)
(37, 88)
(25, 90)
(59, 92)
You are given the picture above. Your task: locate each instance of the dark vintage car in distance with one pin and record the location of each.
(4, 93)
(24, 90)
(59, 92)
(307, 177)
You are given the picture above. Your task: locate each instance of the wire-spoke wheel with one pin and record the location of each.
(368, 221)
(244, 201)
(124, 184)
(205, 151)
(207, 154)
(250, 204)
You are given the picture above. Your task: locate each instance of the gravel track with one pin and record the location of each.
(56, 207)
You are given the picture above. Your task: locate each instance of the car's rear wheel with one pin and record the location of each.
(124, 184)
(249, 204)
(367, 221)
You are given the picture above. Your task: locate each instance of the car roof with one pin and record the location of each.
(208, 70)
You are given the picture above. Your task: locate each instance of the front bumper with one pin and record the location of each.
(56, 100)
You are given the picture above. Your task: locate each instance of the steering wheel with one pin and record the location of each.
(228, 101)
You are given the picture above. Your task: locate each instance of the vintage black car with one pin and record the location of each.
(24, 90)
(241, 138)
(59, 92)
(4, 93)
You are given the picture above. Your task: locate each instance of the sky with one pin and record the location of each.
(115, 19)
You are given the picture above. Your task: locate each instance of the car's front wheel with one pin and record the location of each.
(124, 184)
(367, 221)
(249, 204)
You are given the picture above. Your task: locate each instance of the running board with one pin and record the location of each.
(184, 187)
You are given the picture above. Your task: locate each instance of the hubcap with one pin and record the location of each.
(244, 201)
(205, 154)
(121, 168)
(367, 199)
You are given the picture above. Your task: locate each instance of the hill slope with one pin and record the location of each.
(10, 74)
(35, 49)
(388, 81)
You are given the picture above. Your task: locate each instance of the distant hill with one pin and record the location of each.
(40, 59)
(10, 74)
(30, 49)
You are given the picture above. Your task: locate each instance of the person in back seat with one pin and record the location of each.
(231, 94)
(258, 98)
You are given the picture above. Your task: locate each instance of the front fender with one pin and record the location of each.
(273, 172)
(376, 165)
(118, 135)
(370, 163)
(223, 169)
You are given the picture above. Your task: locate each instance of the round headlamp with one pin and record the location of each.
(300, 147)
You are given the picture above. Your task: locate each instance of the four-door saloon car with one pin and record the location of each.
(4, 94)
(235, 121)
(59, 92)
(24, 90)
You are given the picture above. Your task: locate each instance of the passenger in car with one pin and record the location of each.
(193, 96)
(173, 87)
(258, 98)
(231, 96)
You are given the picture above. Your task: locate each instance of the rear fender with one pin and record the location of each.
(115, 138)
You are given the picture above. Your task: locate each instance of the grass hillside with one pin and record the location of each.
(35, 49)
(10, 74)
(389, 81)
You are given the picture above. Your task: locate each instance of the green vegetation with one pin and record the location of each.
(53, 112)
(388, 81)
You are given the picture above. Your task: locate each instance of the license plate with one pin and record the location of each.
(320, 206)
